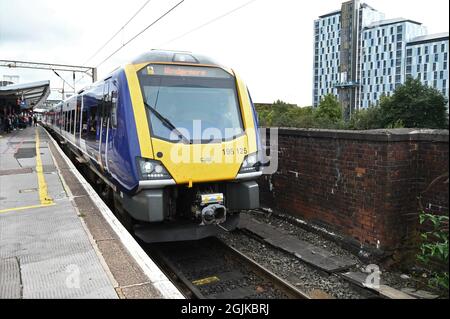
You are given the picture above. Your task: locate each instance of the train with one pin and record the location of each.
(170, 139)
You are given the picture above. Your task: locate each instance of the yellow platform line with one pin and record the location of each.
(25, 208)
(44, 199)
(43, 192)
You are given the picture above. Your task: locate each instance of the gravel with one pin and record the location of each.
(300, 233)
(304, 276)
(290, 268)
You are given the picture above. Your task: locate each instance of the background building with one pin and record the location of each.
(427, 59)
(383, 67)
(359, 55)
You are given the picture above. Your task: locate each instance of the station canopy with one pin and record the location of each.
(29, 95)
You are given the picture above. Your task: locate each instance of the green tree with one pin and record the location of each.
(329, 109)
(366, 119)
(282, 114)
(414, 105)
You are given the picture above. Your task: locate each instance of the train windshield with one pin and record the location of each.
(194, 104)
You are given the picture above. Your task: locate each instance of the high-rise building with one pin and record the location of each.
(359, 55)
(427, 59)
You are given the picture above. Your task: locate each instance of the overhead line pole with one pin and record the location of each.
(91, 71)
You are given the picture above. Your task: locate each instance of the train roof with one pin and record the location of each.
(161, 56)
(174, 56)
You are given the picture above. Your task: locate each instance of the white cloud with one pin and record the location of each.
(270, 43)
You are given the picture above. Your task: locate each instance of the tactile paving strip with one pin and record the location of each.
(25, 152)
(9, 279)
(56, 258)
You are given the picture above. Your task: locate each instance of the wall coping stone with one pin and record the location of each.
(381, 135)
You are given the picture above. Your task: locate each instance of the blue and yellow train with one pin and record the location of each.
(171, 140)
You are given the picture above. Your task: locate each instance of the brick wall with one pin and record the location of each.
(363, 186)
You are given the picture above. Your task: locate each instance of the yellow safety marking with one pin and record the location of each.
(205, 281)
(25, 208)
(247, 114)
(43, 192)
(140, 116)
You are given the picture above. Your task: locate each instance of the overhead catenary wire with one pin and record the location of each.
(182, 35)
(112, 37)
(142, 31)
(57, 74)
(118, 31)
(208, 22)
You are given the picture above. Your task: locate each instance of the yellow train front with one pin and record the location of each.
(173, 138)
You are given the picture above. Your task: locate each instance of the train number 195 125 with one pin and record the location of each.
(235, 151)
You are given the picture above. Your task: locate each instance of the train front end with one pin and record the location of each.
(199, 143)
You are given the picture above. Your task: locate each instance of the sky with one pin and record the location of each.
(268, 42)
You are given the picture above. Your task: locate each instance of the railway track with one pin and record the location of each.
(210, 269)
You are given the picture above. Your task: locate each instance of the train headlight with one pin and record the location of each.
(250, 164)
(147, 167)
(152, 170)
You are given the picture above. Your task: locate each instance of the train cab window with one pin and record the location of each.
(179, 96)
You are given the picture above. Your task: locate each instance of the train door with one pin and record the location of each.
(112, 124)
(105, 110)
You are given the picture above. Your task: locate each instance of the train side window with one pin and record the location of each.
(69, 118)
(68, 121)
(72, 122)
(92, 101)
(77, 122)
(84, 123)
(92, 130)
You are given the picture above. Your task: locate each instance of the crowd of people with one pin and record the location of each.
(11, 122)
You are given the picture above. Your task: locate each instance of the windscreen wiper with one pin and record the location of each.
(167, 123)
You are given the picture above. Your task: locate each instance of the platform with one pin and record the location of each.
(54, 240)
